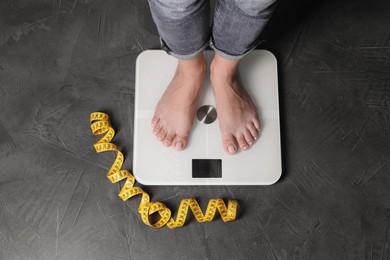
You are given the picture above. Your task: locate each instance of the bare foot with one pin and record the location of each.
(174, 113)
(237, 114)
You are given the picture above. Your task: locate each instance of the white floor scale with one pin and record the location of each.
(204, 161)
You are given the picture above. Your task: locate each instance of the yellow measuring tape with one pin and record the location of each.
(100, 124)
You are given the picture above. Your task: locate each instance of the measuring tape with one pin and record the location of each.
(100, 124)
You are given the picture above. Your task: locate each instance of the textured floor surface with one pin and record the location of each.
(62, 59)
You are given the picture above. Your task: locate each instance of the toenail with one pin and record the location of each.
(166, 143)
(255, 137)
(250, 143)
(245, 147)
(231, 149)
(179, 145)
(160, 138)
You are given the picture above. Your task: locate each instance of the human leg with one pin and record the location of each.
(237, 26)
(183, 26)
(184, 32)
(235, 32)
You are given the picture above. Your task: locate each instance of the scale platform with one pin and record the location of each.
(204, 162)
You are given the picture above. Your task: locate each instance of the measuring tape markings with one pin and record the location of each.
(100, 124)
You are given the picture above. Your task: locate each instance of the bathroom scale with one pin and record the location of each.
(203, 161)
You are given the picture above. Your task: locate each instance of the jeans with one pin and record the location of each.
(185, 31)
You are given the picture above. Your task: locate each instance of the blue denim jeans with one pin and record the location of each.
(185, 31)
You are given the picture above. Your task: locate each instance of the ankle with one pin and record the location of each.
(223, 69)
(193, 67)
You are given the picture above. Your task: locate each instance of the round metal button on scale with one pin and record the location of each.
(206, 114)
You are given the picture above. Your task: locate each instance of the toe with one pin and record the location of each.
(230, 144)
(157, 129)
(253, 130)
(155, 121)
(248, 137)
(161, 134)
(180, 142)
(169, 139)
(242, 142)
(256, 123)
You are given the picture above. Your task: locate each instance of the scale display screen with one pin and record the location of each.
(206, 168)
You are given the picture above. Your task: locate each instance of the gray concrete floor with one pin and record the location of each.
(62, 59)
